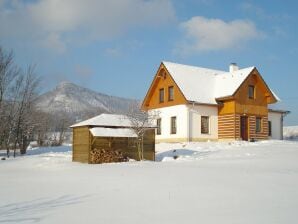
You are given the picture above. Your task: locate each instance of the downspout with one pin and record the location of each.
(281, 127)
(189, 121)
(188, 124)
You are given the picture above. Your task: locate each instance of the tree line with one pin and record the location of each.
(20, 121)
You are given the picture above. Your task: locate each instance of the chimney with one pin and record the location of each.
(233, 67)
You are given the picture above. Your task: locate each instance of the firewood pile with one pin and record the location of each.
(106, 156)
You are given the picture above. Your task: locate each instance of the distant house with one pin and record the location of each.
(199, 104)
(109, 133)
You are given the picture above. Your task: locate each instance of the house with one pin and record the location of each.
(110, 133)
(199, 104)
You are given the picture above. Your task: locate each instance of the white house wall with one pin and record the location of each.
(276, 125)
(188, 121)
(195, 113)
(181, 114)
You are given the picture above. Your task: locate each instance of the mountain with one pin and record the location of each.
(80, 102)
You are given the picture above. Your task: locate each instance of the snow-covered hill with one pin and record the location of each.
(75, 99)
(291, 132)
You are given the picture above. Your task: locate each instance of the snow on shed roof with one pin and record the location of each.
(113, 132)
(107, 120)
(114, 120)
(204, 85)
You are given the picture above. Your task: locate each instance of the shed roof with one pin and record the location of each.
(113, 132)
(107, 120)
(205, 85)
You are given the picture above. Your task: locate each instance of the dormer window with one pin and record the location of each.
(161, 95)
(251, 92)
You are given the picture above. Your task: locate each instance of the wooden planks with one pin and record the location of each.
(226, 126)
(81, 144)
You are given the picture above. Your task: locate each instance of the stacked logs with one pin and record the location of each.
(106, 156)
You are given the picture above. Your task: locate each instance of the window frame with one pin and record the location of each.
(259, 128)
(270, 128)
(252, 97)
(161, 99)
(158, 124)
(208, 125)
(171, 97)
(173, 125)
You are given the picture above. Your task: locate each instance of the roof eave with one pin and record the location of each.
(199, 103)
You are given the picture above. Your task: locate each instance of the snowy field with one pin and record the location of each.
(216, 183)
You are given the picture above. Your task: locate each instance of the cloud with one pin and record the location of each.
(67, 22)
(203, 34)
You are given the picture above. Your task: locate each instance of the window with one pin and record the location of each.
(269, 128)
(158, 124)
(161, 95)
(258, 124)
(205, 125)
(251, 92)
(173, 125)
(171, 93)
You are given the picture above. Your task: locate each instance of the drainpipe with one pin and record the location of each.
(281, 127)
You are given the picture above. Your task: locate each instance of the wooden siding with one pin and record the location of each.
(127, 145)
(163, 80)
(229, 126)
(81, 144)
(263, 135)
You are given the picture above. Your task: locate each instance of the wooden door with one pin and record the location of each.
(244, 128)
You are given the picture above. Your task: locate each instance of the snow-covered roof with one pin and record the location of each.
(113, 132)
(107, 120)
(205, 85)
(227, 83)
(196, 84)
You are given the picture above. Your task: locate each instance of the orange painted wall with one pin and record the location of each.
(162, 80)
(259, 105)
(227, 107)
(241, 104)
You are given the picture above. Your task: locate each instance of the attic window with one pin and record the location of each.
(171, 93)
(251, 92)
(161, 95)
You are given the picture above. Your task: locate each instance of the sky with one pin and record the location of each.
(116, 46)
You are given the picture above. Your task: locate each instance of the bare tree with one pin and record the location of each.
(8, 73)
(18, 90)
(140, 122)
(24, 123)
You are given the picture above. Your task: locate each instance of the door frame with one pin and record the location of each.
(244, 130)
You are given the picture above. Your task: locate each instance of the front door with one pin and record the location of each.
(243, 128)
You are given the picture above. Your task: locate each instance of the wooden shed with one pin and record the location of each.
(110, 137)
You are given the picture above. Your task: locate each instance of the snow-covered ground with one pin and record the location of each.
(207, 183)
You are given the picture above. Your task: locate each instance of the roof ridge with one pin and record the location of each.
(197, 67)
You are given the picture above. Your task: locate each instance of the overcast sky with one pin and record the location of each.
(116, 46)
